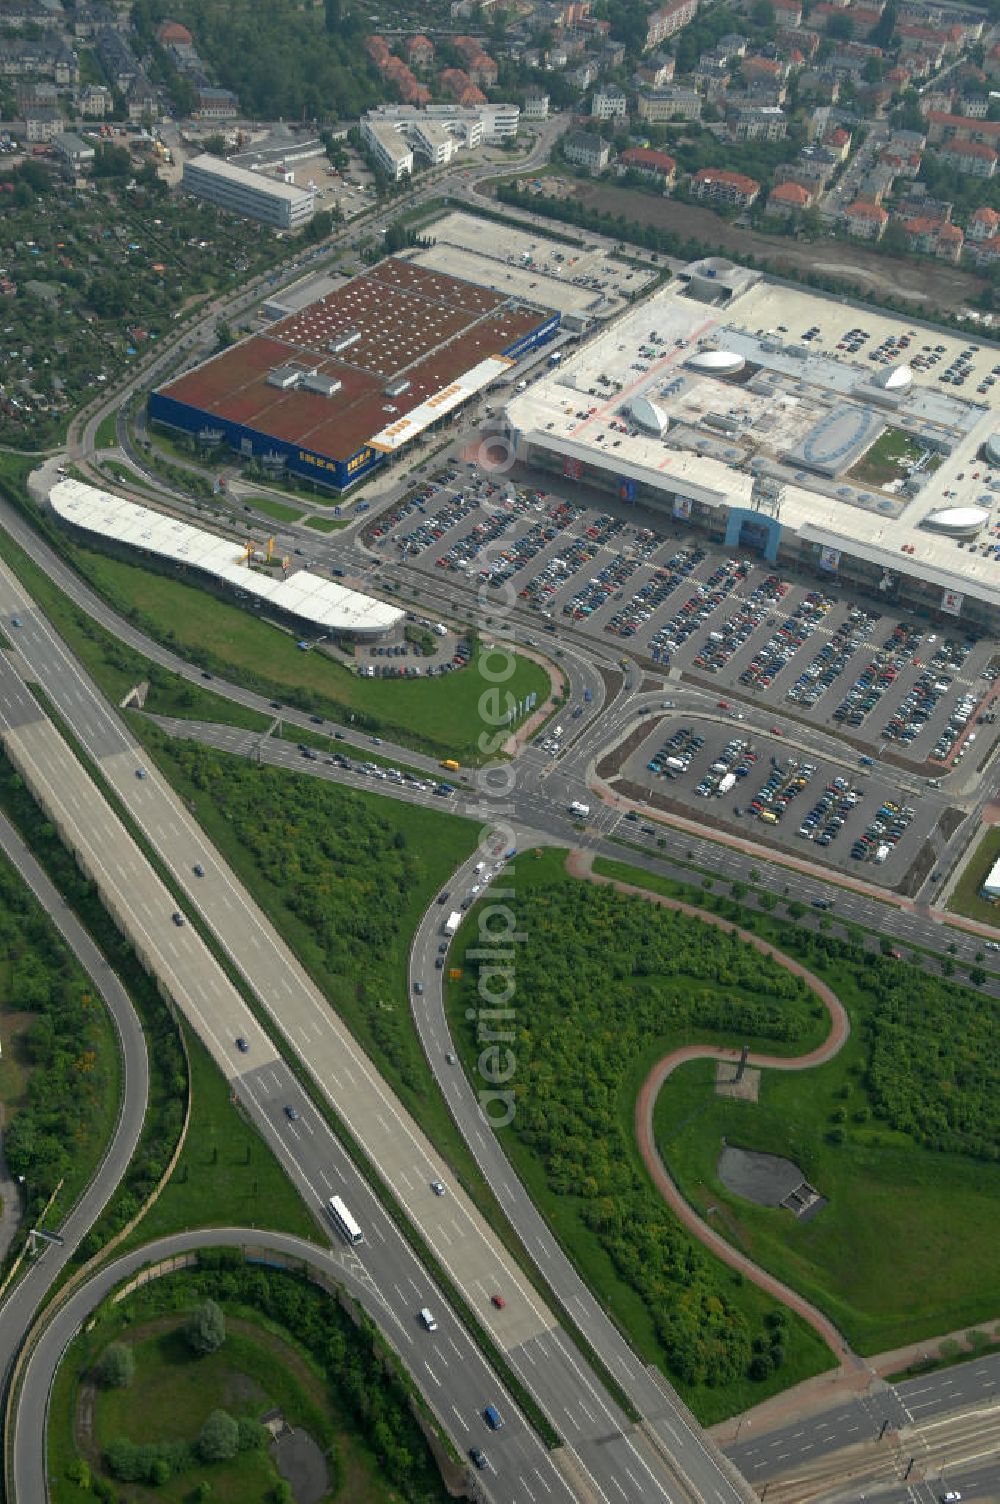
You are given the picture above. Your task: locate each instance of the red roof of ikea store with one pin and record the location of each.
(412, 322)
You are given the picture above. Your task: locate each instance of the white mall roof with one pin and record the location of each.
(404, 429)
(720, 362)
(321, 603)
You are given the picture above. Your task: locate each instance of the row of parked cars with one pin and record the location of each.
(695, 611)
(784, 783)
(878, 676)
(786, 639)
(883, 833)
(726, 639)
(828, 816)
(650, 596)
(833, 657)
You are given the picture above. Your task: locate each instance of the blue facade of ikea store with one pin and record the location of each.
(250, 443)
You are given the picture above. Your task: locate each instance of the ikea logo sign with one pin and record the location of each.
(356, 462)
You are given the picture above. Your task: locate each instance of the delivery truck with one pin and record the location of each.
(451, 924)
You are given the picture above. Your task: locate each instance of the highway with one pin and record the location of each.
(38, 1274)
(611, 1458)
(313, 1155)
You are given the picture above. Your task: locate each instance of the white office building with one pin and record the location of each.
(388, 147)
(472, 124)
(268, 199)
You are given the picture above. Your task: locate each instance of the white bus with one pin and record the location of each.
(344, 1222)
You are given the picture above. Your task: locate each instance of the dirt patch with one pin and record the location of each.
(746, 1089)
(618, 756)
(942, 287)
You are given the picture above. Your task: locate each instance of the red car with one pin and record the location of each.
(776, 731)
(723, 705)
(498, 1301)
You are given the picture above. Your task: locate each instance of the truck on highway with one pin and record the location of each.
(726, 783)
(450, 926)
(576, 808)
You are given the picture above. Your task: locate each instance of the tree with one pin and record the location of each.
(116, 1368)
(206, 1330)
(839, 28)
(219, 1439)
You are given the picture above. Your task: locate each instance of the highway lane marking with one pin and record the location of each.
(542, 1480)
(461, 1419)
(572, 1419)
(619, 1488)
(527, 1491)
(432, 1373)
(590, 1416)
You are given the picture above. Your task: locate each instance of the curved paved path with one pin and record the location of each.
(580, 864)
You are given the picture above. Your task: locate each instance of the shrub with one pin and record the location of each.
(206, 1330)
(116, 1367)
(220, 1438)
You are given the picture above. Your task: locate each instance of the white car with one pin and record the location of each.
(951, 1497)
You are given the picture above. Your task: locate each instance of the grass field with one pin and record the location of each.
(965, 897)
(277, 510)
(440, 715)
(326, 524)
(896, 1215)
(226, 1176)
(106, 436)
(538, 880)
(904, 1250)
(883, 461)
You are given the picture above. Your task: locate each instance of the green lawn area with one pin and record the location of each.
(904, 1250)
(277, 510)
(897, 1213)
(443, 715)
(965, 897)
(882, 463)
(585, 1038)
(226, 1176)
(119, 471)
(326, 524)
(107, 432)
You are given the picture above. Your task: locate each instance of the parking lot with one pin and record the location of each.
(851, 817)
(887, 681)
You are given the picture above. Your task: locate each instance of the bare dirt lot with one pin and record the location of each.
(931, 286)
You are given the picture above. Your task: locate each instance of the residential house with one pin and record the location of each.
(983, 224)
(671, 17)
(419, 51)
(819, 85)
(769, 123)
(536, 105)
(140, 97)
(950, 243)
(789, 198)
(788, 12)
(583, 76)
(215, 104)
(171, 32)
(972, 157)
(42, 123)
(94, 101)
(986, 252)
(609, 103)
(654, 72)
(837, 140)
(655, 165)
(805, 43)
(672, 102)
(117, 59)
(612, 54)
(943, 128)
(586, 150)
(717, 186)
(865, 221)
